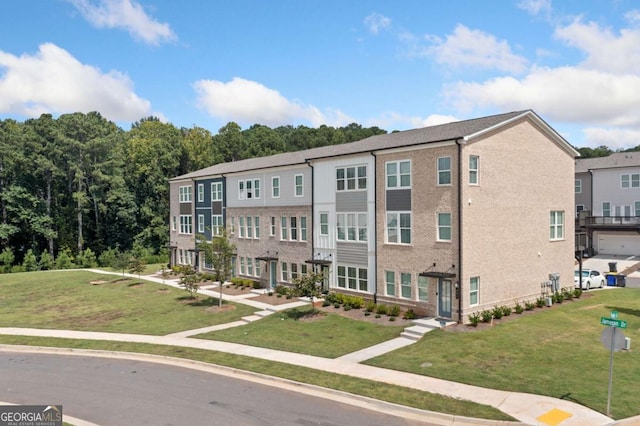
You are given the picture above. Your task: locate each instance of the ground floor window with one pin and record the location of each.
(474, 290)
(423, 293)
(405, 285)
(390, 279)
(353, 278)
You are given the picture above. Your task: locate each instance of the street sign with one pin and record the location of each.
(614, 314)
(613, 322)
(612, 341)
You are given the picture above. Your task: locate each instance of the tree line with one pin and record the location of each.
(78, 187)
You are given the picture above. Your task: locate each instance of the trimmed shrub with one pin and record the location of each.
(474, 318)
(497, 312)
(506, 311)
(394, 311)
(518, 308)
(370, 306)
(486, 315)
(381, 309)
(409, 315)
(529, 306)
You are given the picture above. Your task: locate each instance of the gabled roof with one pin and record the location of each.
(613, 161)
(460, 130)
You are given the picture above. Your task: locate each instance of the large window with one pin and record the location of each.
(474, 291)
(216, 191)
(444, 226)
(398, 174)
(185, 194)
(299, 185)
(399, 227)
(474, 167)
(578, 186)
(352, 227)
(324, 223)
(200, 192)
(248, 189)
(216, 225)
(444, 170)
(630, 180)
(556, 225)
(185, 224)
(353, 278)
(275, 187)
(351, 178)
(405, 285)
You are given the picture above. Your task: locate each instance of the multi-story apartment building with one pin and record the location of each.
(447, 220)
(607, 197)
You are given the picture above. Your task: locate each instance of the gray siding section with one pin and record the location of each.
(352, 254)
(351, 201)
(185, 208)
(399, 200)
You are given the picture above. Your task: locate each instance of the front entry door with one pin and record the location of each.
(273, 274)
(444, 298)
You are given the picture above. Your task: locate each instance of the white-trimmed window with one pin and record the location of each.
(556, 225)
(398, 174)
(303, 269)
(294, 271)
(256, 227)
(294, 228)
(405, 285)
(185, 194)
(248, 189)
(324, 223)
(249, 266)
(398, 228)
(298, 185)
(249, 227)
(216, 225)
(216, 191)
(201, 223)
(423, 288)
(444, 170)
(272, 228)
(444, 226)
(352, 178)
(232, 224)
(243, 271)
(637, 208)
(578, 186)
(352, 227)
(284, 230)
(275, 187)
(241, 226)
(303, 228)
(353, 278)
(185, 224)
(390, 283)
(474, 169)
(174, 223)
(474, 291)
(606, 209)
(579, 208)
(258, 268)
(284, 271)
(201, 192)
(630, 180)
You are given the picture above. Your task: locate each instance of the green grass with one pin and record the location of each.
(555, 352)
(384, 392)
(328, 336)
(68, 300)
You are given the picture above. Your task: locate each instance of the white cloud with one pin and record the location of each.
(565, 94)
(605, 50)
(534, 7)
(53, 81)
(376, 22)
(633, 16)
(394, 121)
(467, 48)
(125, 14)
(250, 102)
(612, 138)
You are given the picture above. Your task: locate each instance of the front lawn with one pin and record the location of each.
(328, 336)
(556, 351)
(81, 300)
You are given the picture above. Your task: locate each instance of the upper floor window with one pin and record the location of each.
(201, 223)
(272, 228)
(578, 186)
(630, 181)
(351, 178)
(185, 224)
(398, 174)
(474, 166)
(275, 187)
(324, 223)
(637, 208)
(556, 225)
(303, 228)
(444, 226)
(352, 227)
(200, 192)
(444, 170)
(284, 231)
(241, 227)
(216, 191)
(398, 228)
(299, 188)
(185, 194)
(248, 189)
(216, 225)
(606, 209)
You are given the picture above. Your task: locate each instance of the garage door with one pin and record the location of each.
(622, 245)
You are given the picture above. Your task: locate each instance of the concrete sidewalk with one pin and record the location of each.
(527, 408)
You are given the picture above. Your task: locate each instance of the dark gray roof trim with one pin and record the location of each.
(617, 160)
(440, 133)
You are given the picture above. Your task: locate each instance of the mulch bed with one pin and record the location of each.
(358, 314)
(274, 299)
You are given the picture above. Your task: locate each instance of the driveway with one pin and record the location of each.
(624, 264)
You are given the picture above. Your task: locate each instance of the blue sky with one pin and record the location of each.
(392, 64)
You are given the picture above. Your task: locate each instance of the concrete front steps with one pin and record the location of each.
(422, 326)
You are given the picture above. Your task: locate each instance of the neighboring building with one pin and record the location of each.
(447, 220)
(607, 197)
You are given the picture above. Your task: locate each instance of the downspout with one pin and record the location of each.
(313, 209)
(375, 226)
(459, 286)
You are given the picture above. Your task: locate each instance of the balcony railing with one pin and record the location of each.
(631, 222)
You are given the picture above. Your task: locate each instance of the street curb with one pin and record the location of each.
(308, 389)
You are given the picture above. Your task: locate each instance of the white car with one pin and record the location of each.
(590, 279)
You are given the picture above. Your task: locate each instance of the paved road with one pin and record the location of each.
(124, 392)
